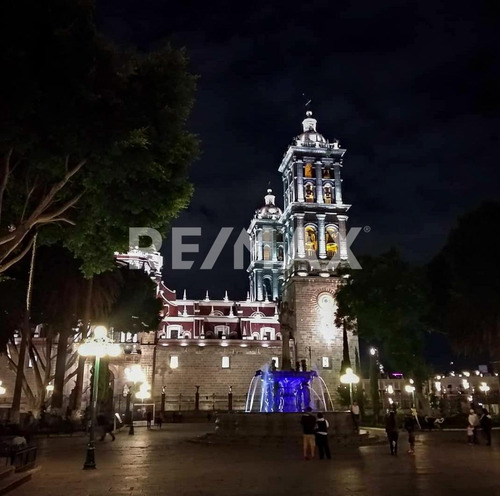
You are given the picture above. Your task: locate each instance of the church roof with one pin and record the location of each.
(269, 210)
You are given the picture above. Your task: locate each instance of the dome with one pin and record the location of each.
(269, 210)
(310, 137)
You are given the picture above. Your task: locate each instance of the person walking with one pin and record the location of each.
(485, 423)
(470, 434)
(322, 426)
(106, 425)
(391, 428)
(308, 422)
(474, 421)
(355, 416)
(149, 418)
(410, 425)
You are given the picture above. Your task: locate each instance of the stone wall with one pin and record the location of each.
(316, 337)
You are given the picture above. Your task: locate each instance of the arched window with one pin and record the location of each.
(268, 288)
(267, 333)
(309, 192)
(267, 252)
(332, 241)
(327, 193)
(221, 330)
(311, 241)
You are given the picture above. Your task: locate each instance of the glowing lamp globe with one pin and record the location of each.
(100, 332)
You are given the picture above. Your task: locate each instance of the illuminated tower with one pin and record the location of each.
(314, 223)
(266, 251)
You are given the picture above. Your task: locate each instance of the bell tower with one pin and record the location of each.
(314, 228)
(266, 251)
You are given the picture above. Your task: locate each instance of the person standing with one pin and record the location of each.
(391, 428)
(106, 425)
(308, 422)
(410, 426)
(322, 426)
(485, 423)
(355, 416)
(470, 434)
(149, 418)
(474, 421)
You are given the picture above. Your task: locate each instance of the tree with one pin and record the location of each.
(89, 135)
(465, 281)
(92, 139)
(386, 302)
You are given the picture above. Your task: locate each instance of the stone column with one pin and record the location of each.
(275, 283)
(319, 182)
(343, 236)
(260, 289)
(258, 240)
(300, 180)
(299, 236)
(321, 235)
(338, 184)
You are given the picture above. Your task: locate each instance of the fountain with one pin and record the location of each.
(286, 391)
(276, 399)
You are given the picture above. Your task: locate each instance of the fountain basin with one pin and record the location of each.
(256, 428)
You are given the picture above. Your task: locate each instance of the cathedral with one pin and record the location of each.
(207, 350)
(213, 346)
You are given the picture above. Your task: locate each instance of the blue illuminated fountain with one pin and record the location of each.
(286, 391)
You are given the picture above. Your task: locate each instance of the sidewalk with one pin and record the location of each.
(163, 463)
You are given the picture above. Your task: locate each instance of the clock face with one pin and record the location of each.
(326, 301)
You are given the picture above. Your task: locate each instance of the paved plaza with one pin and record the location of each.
(166, 462)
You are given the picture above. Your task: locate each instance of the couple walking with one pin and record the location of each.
(315, 433)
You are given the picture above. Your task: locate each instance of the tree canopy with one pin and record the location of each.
(386, 302)
(92, 138)
(465, 280)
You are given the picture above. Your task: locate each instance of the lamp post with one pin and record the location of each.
(97, 346)
(349, 378)
(135, 375)
(411, 390)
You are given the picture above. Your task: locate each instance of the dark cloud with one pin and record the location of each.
(410, 88)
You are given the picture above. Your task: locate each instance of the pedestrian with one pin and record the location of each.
(391, 428)
(470, 434)
(485, 423)
(159, 421)
(106, 425)
(322, 426)
(410, 425)
(474, 421)
(355, 416)
(149, 418)
(308, 422)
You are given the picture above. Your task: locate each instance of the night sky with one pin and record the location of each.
(409, 88)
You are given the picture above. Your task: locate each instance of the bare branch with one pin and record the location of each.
(16, 259)
(68, 378)
(5, 178)
(54, 216)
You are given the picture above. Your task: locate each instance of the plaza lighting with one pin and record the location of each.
(2, 389)
(373, 351)
(465, 383)
(136, 375)
(465, 373)
(437, 385)
(390, 389)
(349, 378)
(411, 390)
(97, 346)
(484, 388)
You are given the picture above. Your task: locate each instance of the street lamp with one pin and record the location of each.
(411, 390)
(98, 346)
(373, 351)
(484, 388)
(349, 378)
(136, 375)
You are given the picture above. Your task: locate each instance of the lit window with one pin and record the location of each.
(326, 362)
(174, 362)
(225, 362)
(276, 361)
